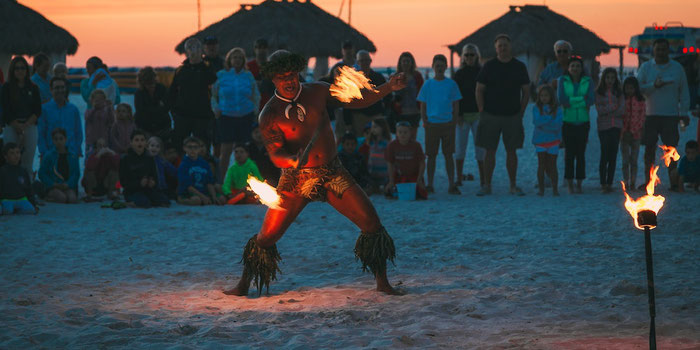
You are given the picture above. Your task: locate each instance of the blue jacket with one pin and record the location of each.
(547, 126)
(48, 173)
(164, 167)
(66, 117)
(235, 94)
(194, 172)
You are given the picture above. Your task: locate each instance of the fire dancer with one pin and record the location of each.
(298, 136)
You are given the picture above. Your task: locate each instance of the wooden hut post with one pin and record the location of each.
(452, 62)
(320, 67)
(5, 59)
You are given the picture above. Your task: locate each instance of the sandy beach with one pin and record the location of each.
(498, 272)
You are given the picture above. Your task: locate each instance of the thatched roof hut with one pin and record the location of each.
(299, 26)
(534, 30)
(24, 31)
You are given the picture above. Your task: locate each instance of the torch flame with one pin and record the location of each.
(348, 84)
(646, 202)
(267, 194)
(670, 153)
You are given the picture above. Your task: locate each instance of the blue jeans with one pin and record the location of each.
(17, 206)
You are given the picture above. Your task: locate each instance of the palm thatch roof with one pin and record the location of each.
(24, 31)
(534, 29)
(298, 26)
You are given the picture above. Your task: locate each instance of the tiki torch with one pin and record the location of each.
(647, 220)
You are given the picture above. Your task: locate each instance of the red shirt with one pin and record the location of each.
(633, 118)
(406, 159)
(254, 68)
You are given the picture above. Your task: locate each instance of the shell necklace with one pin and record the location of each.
(300, 110)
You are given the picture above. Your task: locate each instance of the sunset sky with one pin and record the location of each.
(138, 33)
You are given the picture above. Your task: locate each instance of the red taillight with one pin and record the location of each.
(685, 50)
(631, 49)
(692, 49)
(636, 50)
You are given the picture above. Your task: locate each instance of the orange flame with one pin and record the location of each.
(670, 153)
(348, 84)
(267, 194)
(646, 202)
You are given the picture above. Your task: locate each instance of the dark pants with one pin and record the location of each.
(609, 143)
(148, 198)
(197, 127)
(655, 127)
(575, 139)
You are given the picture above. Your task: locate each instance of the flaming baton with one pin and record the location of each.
(644, 212)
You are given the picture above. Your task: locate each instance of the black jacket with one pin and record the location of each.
(152, 111)
(188, 95)
(379, 107)
(19, 103)
(15, 183)
(133, 168)
(465, 78)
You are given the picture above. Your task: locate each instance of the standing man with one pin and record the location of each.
(211, 53)
(59, 113)
(665, 87)
(265, 85)
(297, 133)
(502, 93)
(188, 96)
(550, 74)
(360, 117)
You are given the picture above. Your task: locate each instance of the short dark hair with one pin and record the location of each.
(55, 79)
(8, 147)
(440, 57)
(39, 59)
(191, 139)
(211, 40)
(692, 144)
(347, 44)
(283, 61)
(502, 36)
(261, 42)
(61, 131)
(660, 41)
(137, 132)
(241, 145)
(349, 136)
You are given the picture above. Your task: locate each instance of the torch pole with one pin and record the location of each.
(650, 287)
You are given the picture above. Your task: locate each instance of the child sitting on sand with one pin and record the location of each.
(379, 138)
(236, 181)
(138, 176)
(59, 170)
(406, 161)
(120, 133)
(688, 171)
(548, 120)
(353, 161)
(16, 194)
(167, 173)
(101, 172)
(195, 177)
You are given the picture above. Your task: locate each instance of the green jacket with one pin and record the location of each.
(237, 176)
(577, 112)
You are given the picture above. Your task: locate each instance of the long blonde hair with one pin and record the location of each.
(227, 61)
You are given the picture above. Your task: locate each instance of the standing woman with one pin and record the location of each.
(468, 121)
(41, 77)
(610, 104)
(575, 94)
(405, 106)
(149, 101)
(235, 100)
(21, 108)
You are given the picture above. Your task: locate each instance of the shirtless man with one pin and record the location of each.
(299, 139)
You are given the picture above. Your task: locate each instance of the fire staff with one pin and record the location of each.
(299, 139)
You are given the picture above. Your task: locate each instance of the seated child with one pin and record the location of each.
(195, 177)
(59, 170)
(98, 120)
(353, 161)
(406, 160)
(379, 139)
(167, 173)
(101, 172)
(236, 181)
(688, 171)
(120, 133)
(138, 175)
(15, 186)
